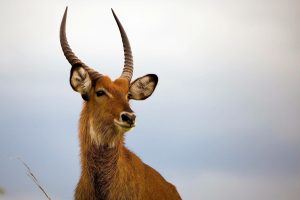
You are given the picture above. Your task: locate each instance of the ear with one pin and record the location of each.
(81, 81)
(143, 87)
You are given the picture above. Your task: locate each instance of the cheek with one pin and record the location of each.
(104, 111)
(102, 120)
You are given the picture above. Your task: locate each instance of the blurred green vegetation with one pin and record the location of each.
(2, 191)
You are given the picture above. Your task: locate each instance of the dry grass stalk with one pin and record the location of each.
(33, 178)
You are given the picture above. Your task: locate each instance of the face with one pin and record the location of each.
(107, 101)
(109, 104)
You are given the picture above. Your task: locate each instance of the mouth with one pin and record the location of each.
(124, 125)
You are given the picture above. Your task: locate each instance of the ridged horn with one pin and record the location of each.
(70, 56)
(128, 62)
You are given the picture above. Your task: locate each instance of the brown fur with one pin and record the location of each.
(109, 171)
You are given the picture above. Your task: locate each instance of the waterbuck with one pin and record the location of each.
(108, 169)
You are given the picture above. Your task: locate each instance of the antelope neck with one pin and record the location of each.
(99, 163)
(102, 167)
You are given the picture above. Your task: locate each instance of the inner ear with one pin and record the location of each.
(143, 87)
(81, 81)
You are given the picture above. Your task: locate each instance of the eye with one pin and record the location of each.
(100, 93)
(129, 96)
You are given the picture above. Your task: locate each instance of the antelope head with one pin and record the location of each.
(107, 101)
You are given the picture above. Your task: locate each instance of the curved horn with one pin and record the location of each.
(70, 56)
(128, 62)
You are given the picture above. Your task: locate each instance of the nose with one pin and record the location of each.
(128, 118)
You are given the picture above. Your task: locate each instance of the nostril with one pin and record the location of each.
(133, 117)
(125, 117)
(128, 118)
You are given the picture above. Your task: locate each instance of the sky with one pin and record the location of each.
(223, 122)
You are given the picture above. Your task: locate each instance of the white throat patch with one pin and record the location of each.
(96, 138)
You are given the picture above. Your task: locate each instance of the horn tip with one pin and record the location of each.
(66, 11)
(113, 12)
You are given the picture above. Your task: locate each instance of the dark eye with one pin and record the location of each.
(129, 96)
(100, 93)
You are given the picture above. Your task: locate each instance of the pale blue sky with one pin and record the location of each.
(223, 122)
